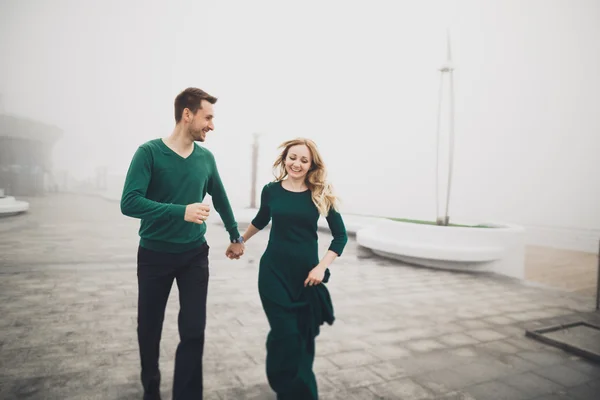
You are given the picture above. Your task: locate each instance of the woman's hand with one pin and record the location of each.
(315, 276)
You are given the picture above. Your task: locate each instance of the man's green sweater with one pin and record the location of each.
(158, 187)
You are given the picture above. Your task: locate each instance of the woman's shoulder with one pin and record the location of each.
(269, 187)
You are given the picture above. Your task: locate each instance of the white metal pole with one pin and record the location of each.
(451, 130)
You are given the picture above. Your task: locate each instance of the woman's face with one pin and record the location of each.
(298, 161)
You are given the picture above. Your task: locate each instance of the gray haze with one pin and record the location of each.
(359, 78)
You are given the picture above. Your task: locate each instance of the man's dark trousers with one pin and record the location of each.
(156, 272)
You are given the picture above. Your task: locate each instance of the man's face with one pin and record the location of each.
(202, 122)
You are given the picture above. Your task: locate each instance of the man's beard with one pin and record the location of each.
(198, 136)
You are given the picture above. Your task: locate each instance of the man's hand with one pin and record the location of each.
(235, 251)
(196, 213)
(315, 276)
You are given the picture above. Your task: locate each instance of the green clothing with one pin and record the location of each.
(295, 312)
(160, 184)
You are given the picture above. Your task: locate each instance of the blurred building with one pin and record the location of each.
(26, 156)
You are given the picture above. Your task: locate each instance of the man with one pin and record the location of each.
(165, 186)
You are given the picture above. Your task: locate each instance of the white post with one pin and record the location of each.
(447, 68)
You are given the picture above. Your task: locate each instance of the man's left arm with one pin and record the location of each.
(221, 203)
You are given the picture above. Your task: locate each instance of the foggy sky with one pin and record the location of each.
(360, 78)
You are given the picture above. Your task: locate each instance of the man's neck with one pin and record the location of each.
(180, 141)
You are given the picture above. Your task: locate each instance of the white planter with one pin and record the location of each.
(500, 249)
(11, 206)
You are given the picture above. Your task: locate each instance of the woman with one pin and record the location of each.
(290, 279)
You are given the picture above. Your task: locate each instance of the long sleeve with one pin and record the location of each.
(221, 202)
(338, 230)
(133, 200)
(263, 216)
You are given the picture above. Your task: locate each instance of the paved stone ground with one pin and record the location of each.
(68, 306)
(573, 271)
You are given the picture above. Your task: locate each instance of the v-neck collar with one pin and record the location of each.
(170, 150)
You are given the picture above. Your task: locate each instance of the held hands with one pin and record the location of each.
(196, 213)
(235, 251)
(315, 276)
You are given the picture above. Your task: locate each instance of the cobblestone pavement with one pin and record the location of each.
(68, 306)
(573, 271)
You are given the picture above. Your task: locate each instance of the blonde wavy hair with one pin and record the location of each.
(316, 178)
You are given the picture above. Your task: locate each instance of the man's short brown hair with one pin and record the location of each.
(191, 98)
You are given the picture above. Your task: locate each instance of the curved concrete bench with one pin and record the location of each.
(11, 206)
(499, 248)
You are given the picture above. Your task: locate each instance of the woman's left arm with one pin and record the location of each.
(336, 248)
(338, 231)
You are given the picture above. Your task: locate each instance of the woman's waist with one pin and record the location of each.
(302, 250)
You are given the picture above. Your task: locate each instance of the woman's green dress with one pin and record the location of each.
(295, 312)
